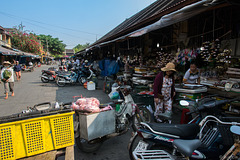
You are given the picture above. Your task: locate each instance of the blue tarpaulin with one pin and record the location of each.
(109, 67)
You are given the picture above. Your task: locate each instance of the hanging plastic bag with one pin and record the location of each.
(114, 95)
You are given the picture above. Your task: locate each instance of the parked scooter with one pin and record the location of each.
(188, 149)
(73, 78)
(51, 74)
(129, 114)
(158, 136)
(48, 75)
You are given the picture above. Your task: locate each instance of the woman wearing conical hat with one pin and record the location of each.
(164, 91)
(7, 77)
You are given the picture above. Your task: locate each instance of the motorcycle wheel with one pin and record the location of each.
(145, 114)
(60, 84)
(133, 144)
(82, 80)
(44, 80)
(84, 146)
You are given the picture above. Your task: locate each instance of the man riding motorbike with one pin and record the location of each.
(85, 67)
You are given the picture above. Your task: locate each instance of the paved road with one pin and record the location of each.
(30, 91)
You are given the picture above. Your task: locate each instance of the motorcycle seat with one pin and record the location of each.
(184, 131)
(187, 147)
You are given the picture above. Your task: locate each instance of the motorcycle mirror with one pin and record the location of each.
(184, 103)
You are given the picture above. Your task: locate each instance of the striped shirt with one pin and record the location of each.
(191, 77)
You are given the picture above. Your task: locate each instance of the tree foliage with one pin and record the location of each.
(24, 41)
(52, 45)
(80, 47)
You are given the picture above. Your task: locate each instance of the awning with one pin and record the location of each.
(25, 54)
(169, 19)
(5, 51)
(177, 16)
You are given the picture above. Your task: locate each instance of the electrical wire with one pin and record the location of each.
(14, 17)
(7, 14)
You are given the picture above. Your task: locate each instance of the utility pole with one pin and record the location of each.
(21, 27)
(47, 47)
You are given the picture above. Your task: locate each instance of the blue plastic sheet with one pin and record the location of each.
(109, 67)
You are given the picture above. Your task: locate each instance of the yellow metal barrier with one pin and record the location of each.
(36, 135)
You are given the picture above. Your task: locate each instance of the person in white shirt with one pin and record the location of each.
(78, 62)
(8, 81)
(192, 76)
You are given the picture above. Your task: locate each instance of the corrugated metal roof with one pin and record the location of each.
(148, 15)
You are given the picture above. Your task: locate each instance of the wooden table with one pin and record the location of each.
(222, 93)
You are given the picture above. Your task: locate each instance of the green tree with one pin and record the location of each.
(24, 41)
(80, 47)
(53, 45)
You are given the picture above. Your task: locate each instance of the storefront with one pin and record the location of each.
(7, 54)
(205, 31)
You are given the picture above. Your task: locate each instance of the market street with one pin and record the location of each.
(30, 91)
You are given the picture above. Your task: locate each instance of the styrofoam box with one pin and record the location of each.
(95, 125)
(91, 85)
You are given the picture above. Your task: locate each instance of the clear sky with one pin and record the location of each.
(72, 21)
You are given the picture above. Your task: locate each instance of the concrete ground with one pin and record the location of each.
(30, 91)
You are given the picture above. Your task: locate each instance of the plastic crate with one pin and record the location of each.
(33, 136)
(227, 135)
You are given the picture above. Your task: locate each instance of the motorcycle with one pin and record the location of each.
(129, 114)
(73, 78)
(48, 75)
(186, 149)
(152, 135)
(85, 76)
(51, 74)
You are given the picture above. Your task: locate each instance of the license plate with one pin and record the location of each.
(141, 146)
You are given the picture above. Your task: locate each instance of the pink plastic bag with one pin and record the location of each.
(107, 108)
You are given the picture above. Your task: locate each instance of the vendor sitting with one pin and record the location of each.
(192, 76)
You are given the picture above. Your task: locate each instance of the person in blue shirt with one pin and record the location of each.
(85, 67)
(17, 69)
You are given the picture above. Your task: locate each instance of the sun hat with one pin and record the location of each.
(6, 62)
(169, 67)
